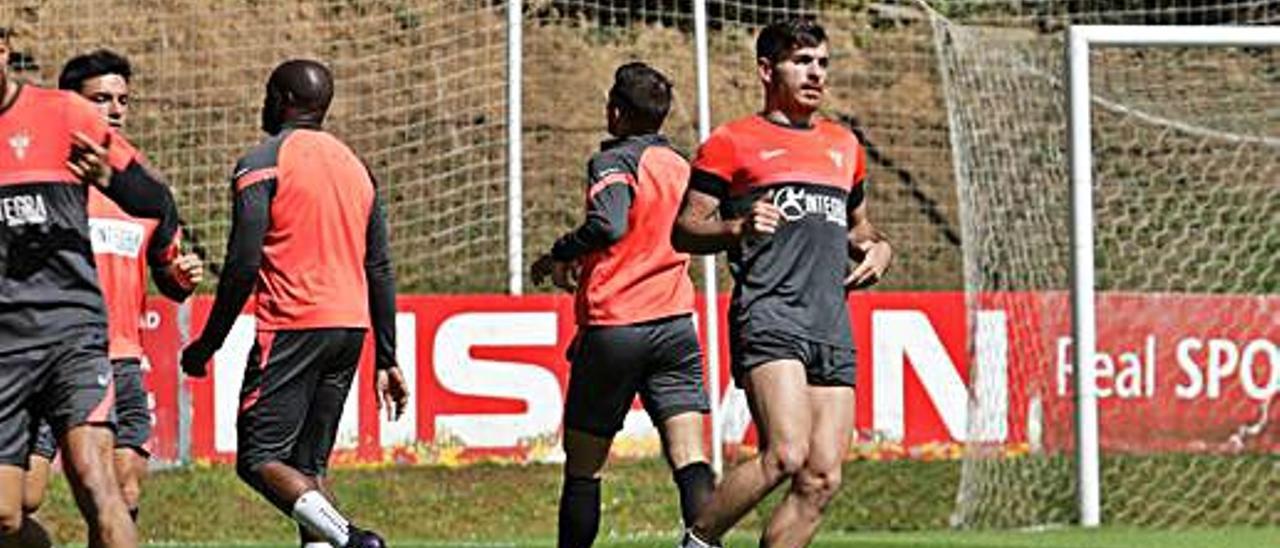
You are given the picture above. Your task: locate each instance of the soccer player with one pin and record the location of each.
(53, 333)
(309, 239)
(123, 247)
(633, 306)
(789, 190)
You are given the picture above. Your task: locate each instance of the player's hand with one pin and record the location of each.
(565, 275)
(541, 269)
(871, 268)
(393, 394)
(88, 161)
(763, 218)
(187, 271)
(195, 358)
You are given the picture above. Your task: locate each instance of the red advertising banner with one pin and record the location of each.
(1176, 373)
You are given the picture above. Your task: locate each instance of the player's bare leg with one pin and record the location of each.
(683, 446)
(779, 397)
(796, 519)
(87, 458)
(585, 457)
(131, 470)
(35, 484)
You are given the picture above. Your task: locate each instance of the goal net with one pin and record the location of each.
(1186, 195)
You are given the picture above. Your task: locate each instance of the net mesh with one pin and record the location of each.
(1186, 160)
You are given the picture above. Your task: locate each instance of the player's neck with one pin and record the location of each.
(788, 117)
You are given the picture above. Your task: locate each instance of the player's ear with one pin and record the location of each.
(764, 66)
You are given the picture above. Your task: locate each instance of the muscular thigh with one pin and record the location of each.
(779, 398)
(832, 430)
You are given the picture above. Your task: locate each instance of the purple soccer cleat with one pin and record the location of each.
(360, 538)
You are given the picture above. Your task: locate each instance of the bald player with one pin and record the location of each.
(309, 241)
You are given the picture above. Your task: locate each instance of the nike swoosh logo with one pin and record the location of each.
(240, 174)
(771, 154)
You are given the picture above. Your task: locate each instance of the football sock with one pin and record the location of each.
(696, 482)
(133, 513)
(691, 540)
(314, 512)
(579, 512)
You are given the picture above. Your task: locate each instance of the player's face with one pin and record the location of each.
(110, 93)
(799, 80)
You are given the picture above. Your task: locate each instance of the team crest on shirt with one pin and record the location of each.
(837, 158)
(18, 143)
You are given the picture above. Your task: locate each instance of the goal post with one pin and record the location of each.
(1080, 40)
(1117, 195)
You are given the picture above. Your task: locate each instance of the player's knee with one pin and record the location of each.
(32, 501)
(818, 487)
(10, 520)
(248, 472)
(787, 459)
(132, 493)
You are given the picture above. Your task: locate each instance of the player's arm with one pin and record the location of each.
(176, 274)
(114, 166)
(381, 278)
(251, 216)
(392, 393)
(610, 193)
(867, 244)
(699, 227)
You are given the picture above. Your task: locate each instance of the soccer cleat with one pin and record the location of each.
(360, 538)
(690, 540)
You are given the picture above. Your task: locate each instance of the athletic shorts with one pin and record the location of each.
(68, 383)
(661, 360)
(43, 442)
(133, 415)
(295, 384)
(824, 364)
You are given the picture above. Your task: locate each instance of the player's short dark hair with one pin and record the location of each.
(780, 38)
(92, 65)
(642, 93)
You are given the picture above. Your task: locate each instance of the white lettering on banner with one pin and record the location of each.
(405, 430)
(1127, 375)
(991, 377)
(458, 372)
(228, 374)
(900, 337)
(116, 237)
(1223, 359)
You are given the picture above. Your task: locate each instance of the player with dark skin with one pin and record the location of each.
(802, 401)
(297, 98)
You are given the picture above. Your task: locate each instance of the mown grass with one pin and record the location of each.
(1168, 500)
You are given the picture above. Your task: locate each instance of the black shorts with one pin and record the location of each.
(824, 364)
(295, 385)
(133, 415)
(68, 384)
(43, 442)
(660, 359)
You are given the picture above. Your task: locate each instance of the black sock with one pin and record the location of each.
(696, 483)
(133, 513)
(579, 512)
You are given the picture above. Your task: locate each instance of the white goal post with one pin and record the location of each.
(1079, 42)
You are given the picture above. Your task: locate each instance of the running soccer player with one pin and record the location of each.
(633, 306)
(53, 333)
(309, 239)
(123, 248)
(789, 190)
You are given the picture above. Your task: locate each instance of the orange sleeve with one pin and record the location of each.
(82, 117)
(717, 155)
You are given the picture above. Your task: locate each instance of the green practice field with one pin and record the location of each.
(515, 505)
(1066, 538)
